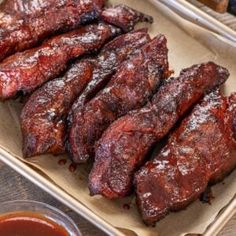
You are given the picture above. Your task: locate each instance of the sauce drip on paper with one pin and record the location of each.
(126, 206)
(62, 162)
(72, 167)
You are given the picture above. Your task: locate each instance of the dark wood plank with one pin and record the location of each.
(230, 228)
(226, 18)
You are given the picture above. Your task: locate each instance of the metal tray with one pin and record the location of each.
(46, 184)
(192, 13)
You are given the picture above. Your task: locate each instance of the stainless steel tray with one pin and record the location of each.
(192, 13)
(46, 184)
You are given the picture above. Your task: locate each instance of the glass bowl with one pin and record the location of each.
(42, 209)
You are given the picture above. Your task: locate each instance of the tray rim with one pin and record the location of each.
(199, 17)
(54, 190)
(61, 195)
(187, 10)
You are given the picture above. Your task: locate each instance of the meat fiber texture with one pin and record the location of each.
(24, 72)
(188, 44)
(44, 117)
(125, 145)
(131, 87)
(26, 23)
(128, 17)
(198, 153)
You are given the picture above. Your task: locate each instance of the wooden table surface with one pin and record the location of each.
(15, 187)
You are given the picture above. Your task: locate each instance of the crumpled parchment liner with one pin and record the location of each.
(188, 44)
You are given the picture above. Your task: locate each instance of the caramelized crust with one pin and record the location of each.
(107, 63)
(131, 87)
(128, 17)
(43, 118)
(23, 72)
(24, 23)
(199, 152)
(125, 144)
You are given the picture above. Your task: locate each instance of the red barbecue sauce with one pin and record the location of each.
(28, 224)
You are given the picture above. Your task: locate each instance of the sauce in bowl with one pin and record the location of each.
(28, 224)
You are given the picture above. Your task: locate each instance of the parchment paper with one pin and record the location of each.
(188, 44)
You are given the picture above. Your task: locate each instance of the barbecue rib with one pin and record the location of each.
(28, 70)
(128, 17)
(131, 87)
(198, 153)
(125, 144)
(107, 63)
(25, 23)
(43, 118)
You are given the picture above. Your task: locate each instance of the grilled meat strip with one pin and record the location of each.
(24, 23)
(199, 152)
(128, 17)
(126, 143)
(43, 118)
(131, 87)
(106, 64)
(28, 70)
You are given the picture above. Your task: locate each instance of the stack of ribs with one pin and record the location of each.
(126, 143)
(100, 90)
(198, 153)
(25, 23)
(44, 115)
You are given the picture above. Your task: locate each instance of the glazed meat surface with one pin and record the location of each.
(30, 69)
(199, 152)
(23, 72)
(131, 87)
(128, 17)
(125, 144)
(113, 55)
(107, 63)
(43, 118)
(24, 23)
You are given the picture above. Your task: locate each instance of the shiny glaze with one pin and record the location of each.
(30, 7)
(125, 144)
(128, 17)
(115, 52)
(25, 23)
(199, 152)
(108, 61)
(44, 115)
(43, 119)
(134, 83)
(28, 70)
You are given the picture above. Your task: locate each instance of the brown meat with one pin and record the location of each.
(199, 152)
(28, 70)
(125, 144)
(128, 17)
(43, 118)
(131, 87)
(24, 23)
(107, 64)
